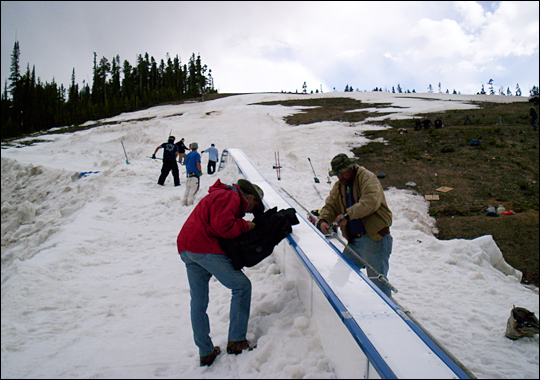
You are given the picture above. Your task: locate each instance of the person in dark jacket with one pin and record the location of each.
(170, 152)
(218, 215)
(181, 151)
(426, 123)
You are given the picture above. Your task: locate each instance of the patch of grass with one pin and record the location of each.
(504, 169)
(328, 109)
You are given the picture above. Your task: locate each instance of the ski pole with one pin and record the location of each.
(127, 162)
(294, 199)
(316, 179)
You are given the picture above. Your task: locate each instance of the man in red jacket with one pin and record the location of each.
(218, 215)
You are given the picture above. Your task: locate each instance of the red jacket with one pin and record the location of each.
(219, 214)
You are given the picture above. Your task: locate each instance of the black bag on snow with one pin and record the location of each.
(251, 248)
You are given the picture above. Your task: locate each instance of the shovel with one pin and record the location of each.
(127, 162)
(316, 179)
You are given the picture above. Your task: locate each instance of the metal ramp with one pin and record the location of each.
(363, 332)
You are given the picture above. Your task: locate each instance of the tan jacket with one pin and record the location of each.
(370, 204)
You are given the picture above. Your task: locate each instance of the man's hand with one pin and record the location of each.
(153, 156)
(341, 220)
(324, 227)
(251, 226)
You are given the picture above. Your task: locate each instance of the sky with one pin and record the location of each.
(92, 285)
(277, 46)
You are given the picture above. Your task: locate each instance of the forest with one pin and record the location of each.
(28, 105)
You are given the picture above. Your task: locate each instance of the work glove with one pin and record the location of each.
(200, 173)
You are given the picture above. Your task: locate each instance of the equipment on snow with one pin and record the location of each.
(85, 174)
(277, 166)
(318, 193)
(294, 199)
(316, 179)
(313, 216)
(522, 323)
(127, 162)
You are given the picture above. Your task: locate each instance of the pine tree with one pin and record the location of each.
(491, 91)
(15, 75)
(482, 92)
(518, 90)
(304, 88)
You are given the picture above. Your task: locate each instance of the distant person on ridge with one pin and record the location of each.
(213, 158)
(426, 123)
(170, 152)
(534, 118)
(193, 173)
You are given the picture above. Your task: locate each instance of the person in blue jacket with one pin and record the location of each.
(170, 152)
(212, 158)
(193, 172)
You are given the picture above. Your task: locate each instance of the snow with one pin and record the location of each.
(92, 284)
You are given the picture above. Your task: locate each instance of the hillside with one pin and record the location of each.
(502, 170)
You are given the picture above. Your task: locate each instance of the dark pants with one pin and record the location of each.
(211, 167)
(168, 165)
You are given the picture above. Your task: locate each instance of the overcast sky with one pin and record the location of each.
(275, 46)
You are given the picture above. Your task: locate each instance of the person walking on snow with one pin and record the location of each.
(170, 152)
(181, 151)
(213, 158)
(193, 173)
(218, 215)
(367, 226)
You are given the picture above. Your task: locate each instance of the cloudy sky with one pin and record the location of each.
(275, 46)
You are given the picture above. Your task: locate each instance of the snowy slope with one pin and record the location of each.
(92, 285)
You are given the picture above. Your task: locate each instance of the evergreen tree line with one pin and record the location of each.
(28, 105)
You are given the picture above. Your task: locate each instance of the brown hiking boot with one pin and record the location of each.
(209, 359)
(239, 346)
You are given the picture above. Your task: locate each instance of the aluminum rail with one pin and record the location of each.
(363, 332)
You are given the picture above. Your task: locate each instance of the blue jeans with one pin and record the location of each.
(376, 253)
(200, 268)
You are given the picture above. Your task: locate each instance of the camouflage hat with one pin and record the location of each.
(249, 188)
(341, 163)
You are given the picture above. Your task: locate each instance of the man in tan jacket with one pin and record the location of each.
(359, 194)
